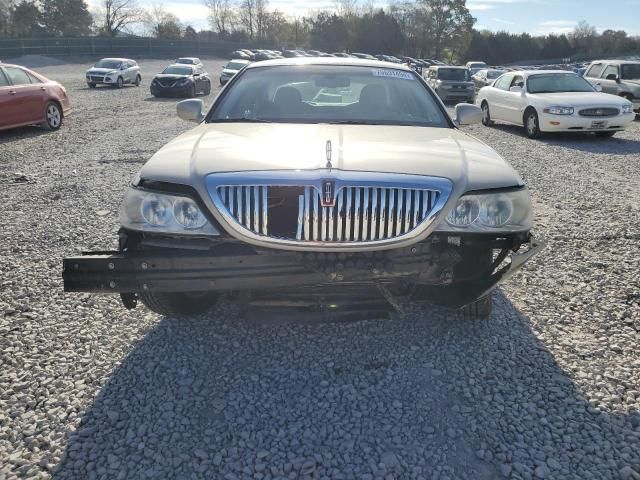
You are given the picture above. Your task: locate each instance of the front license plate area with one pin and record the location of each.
(598, 124)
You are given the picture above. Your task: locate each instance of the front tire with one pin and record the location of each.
(120, 82)
(181, 304)
(52, 117)
(192, 92)
(486, 115)
(138, 80)
(91, 85)
(531, 124)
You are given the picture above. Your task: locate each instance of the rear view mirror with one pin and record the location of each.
(191, 110)
(332, 81)
(467, 114)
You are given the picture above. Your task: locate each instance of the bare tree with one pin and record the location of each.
(346, 8)
(162, 24)
(220, 15)
(119, 14)
(247, 14)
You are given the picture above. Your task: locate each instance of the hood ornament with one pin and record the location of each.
(328, 151)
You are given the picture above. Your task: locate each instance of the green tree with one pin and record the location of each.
(450, 23)
(25, 18)
(329, 32)
(65, 17)
(190, 32)
(378, 32)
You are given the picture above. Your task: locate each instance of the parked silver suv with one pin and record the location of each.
(617, 77)
(115, 72)
(451, 83)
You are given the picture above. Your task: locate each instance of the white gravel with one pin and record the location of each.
(548, 387)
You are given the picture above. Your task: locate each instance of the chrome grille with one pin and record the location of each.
(359, 214)
(599, 112)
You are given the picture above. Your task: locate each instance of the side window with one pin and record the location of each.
(17, 76)
(518, 81)
(3, 80)
(33, 79)
(611, 70)
(503, 82)
(594, 70)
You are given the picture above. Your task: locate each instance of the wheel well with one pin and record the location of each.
(59, 106)
(526, 112)
(484, 102)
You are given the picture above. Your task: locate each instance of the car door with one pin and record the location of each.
(593, 72)
(514, 101)
(496, 97)
(28, 98)
(8, 102)
(608, 80)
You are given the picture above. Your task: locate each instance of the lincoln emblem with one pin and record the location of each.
(327, 193)
(328, 149)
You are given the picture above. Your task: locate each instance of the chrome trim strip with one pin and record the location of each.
(247, 207)
(256, 206)
(300, 217)
(416, 207)
(436, 190)
(392, 199)
(383, 213)
(399, 207)
(265, 210)
(316, 198)
(340, 217)
(331, 223)
(356, 215)
(365, 214)
(347, 226)
(374, 214)
(407, 212)
(307, 201)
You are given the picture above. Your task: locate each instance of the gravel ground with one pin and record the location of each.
(548, 387)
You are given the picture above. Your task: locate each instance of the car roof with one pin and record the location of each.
(181, 65)
(540, 72)
(347, 62)
(240, 60)
(117, 59)
(188, 58)
(617, 62)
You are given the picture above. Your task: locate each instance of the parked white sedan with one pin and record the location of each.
(553, 101)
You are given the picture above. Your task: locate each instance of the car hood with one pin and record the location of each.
(171, 76)
(101, 70)
(579, 99)
(441, 152)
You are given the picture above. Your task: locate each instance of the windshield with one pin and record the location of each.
(178, 70)
(557, 82)
(235, 65)
(108, 64)
(329, 94)
(494, 73)
(458, 74)
(631, 71)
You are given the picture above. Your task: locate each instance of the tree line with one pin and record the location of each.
(440, 29)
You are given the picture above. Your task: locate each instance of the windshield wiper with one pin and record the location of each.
(355, 122)
(240, 120)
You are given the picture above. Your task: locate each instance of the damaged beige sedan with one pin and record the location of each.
(339, 183)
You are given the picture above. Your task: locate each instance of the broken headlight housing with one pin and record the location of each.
(148, 211)
(491, 212)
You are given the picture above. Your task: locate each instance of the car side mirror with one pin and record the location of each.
(123, 67)
(467, 114)
(191, 110)
(516, 89)
(598, 88)
(612, 76)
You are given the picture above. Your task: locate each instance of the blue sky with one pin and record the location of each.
(538, 17)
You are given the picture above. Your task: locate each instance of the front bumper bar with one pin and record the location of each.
(183, 271)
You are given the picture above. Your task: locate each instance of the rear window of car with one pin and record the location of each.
(494, 73)
(187, 61)
(329, 94)
(630, 71)
(17, 76)
(3, 80)
(455, 74)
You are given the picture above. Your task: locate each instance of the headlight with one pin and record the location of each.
(490, 212)
(113, 72)
(628, 108)
(184, 81)
(559, 110)
(160, 212)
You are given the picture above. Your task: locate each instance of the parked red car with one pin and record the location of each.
(28, 98)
